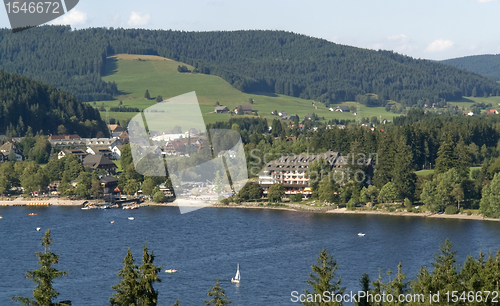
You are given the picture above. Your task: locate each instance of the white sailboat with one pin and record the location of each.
(236, 279)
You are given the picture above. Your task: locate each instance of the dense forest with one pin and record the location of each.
(448, 144)
(487, 64)
(31, 105)
(252, 61)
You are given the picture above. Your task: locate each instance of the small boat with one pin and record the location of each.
(361, 234)
(1, 217)
(85, 208)
(32, 214)
(112, 222)
(131, 218)
(170, 271)
(236, 278)
(38, 229)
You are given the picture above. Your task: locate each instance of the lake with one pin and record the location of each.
(275, 249)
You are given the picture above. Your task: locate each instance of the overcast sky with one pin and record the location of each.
(432, 29)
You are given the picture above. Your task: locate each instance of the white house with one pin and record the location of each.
(116, 152)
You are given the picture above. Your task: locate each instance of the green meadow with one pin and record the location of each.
(467, 102)
(134, 74)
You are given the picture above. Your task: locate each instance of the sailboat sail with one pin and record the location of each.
(237, 277)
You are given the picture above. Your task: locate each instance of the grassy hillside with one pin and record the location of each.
(133, 74)
(467, 102)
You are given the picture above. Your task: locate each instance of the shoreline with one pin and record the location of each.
(254, 205)
(328, 210)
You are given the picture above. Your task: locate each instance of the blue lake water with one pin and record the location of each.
(275, 249)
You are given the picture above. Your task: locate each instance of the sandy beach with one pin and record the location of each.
(30, 202)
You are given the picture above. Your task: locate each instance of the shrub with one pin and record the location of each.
(159, 197)
(296, 197)
(450, 210)
(351, 205)
(407, 202)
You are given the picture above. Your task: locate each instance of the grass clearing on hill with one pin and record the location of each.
(134, 74)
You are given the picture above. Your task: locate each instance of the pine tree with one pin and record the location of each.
(445, 156)
(127, 290)
(364, 282)
(218, 296)
(322, 279)
(490, 274)
(397, 286)
(385, 153)
(147, 95)
(44, 293)
(462, 159)
(404, 178)
(444, 277)
(148, 275)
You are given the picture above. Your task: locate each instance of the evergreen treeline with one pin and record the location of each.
(72, 60)
(448, 144)
(25, 104)
(487, 64)
(447, 283)
(124, 109)
(252, 61)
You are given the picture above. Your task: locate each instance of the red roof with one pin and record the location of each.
(61, 137)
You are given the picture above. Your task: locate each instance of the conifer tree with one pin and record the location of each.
(44, 293)
(147, 95)
(490, 274)
(462, 159)
(445, 156)
(444, 277)
(322, 279)
(148, 275)
(218, 296)
(385, 153)
(398, 286)
(404, 178)
(136, 285)
(127, 290)
(364, 282)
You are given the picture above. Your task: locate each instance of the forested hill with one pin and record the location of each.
(487, 64)
(252, 61)
(26, 103)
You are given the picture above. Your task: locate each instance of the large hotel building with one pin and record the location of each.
(290, 171)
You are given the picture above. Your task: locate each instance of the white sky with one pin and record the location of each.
(433, 29)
